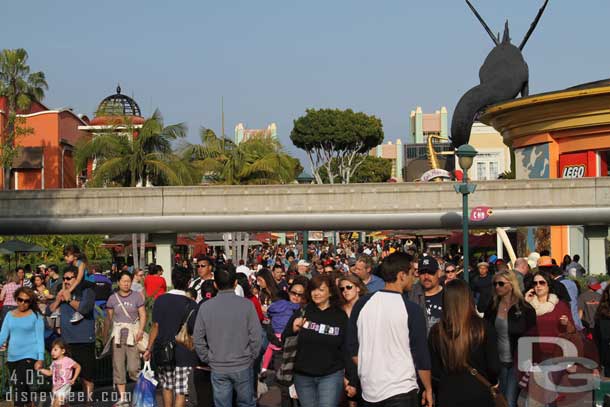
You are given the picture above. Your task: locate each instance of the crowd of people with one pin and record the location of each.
(358, 325)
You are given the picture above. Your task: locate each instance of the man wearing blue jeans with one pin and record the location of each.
(227, 337)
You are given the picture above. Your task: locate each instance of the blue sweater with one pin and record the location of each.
(280, 313)
(25, 337)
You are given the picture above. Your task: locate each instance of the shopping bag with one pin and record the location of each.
(144, 394)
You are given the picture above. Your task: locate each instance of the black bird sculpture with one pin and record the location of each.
(503, 76)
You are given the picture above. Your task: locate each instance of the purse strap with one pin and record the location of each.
(123, 307)
(186, 320)
(481, 379)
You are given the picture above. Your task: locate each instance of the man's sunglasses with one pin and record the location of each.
(450, 271)
(346, 287)
(68, 278)
(202, 266)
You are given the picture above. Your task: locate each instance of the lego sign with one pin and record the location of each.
(574, 171)
(578, 165)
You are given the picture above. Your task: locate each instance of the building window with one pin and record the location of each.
(481, 171)
(493, 170)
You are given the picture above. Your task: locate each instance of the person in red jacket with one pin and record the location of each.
(154, 284)
(553, 320)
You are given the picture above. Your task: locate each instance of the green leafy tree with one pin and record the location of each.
(91, 245)
(127, 156)
(340, 136)
(20, 88)
(259, 160)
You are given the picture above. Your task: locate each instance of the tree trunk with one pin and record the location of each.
(7, 179)
(134, 250)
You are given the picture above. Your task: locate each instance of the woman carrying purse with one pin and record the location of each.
(126, 313)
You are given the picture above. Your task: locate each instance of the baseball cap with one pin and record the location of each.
(428, 263)
(532, 259)
(303, 263)
(593, 283)
(545, 261)
(351, 261)
(493, 258)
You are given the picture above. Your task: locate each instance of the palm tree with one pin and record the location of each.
(259, 160)
(126, 156)
(20, 88)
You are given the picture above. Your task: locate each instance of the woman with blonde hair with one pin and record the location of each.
(512, 317)
(464, 350)
(352, 289)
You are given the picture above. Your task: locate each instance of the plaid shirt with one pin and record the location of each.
(9, 293)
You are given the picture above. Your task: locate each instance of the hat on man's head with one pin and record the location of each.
(593, 283)
(428, 263)
(545, 261)
(483, 264)
(492, 259)
(532, 259)
(303, 263)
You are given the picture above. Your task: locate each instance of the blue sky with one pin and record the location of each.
(272, 59)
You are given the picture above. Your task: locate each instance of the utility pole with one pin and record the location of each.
(222, 109)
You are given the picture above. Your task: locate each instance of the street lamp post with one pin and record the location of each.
(466, 154)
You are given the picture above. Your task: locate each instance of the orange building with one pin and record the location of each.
(45, 156)
(562, 134)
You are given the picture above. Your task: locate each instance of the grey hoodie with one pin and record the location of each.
(228, 334)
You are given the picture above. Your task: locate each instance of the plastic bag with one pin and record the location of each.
(144, 394)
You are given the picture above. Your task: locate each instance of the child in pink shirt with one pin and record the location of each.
(64, 371)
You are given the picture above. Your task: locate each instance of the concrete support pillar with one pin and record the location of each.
(225, 238)
(499, 246)
(165, 254)
(596, 239)
(246, 247)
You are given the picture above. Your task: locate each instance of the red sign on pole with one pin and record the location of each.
(480, 213)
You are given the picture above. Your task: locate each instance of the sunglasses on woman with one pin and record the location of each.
(23, 300)
(296, 294)
(346, 287)
(499, 283)
(540, 282)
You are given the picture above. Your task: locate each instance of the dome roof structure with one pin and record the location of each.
(117, 106)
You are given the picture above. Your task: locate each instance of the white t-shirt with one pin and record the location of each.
(388, 334)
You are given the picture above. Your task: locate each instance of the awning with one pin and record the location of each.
(485, 240)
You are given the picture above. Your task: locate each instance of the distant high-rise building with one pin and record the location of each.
(424, 124)
(392, 152)
(244, 134)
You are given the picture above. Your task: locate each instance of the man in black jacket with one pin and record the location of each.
(482, 287)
